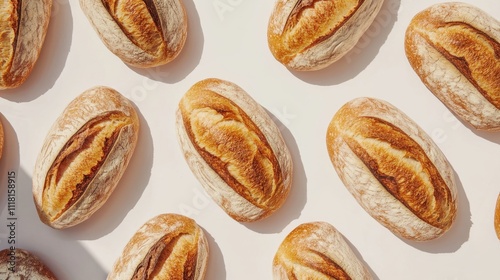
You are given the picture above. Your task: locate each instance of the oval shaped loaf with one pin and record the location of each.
(22, 264)
(234, 149)
(317, 250)
(496, 222)
(84, 155)
(168, 246)
(23, 26)
(142, 33)
(455, 50)
(309, 35)
(392, 168)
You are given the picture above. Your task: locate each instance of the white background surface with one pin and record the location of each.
(231, 44)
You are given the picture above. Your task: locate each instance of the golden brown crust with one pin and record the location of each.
(245, 160)
(381, 155)
(496, 222)
(169, 246)
(455, 50)
(23, 26)
(316, 250)
(22, 264)
(143, 33)
(83, 157)
(311, 34)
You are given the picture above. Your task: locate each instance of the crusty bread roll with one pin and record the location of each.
(168, 246)
(393, 169)
(84, 155)
(1, 138)
(141, 33)
(454, 48)
(22, 264)
(23, 26)
(234, 149)
(309, 35)
(317, 250)
(497, 217)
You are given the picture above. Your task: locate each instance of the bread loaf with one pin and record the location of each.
(309, 35)
(83, 157)
(23, 26)
(392, 168)
(169, 246)
(234, 149)
(141, 33)
(317, 250)
(455, 50)
(497, 217)
(22, 264)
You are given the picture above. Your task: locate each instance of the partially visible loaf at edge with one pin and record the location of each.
(168, 246)
(317, 250)
(393, 169)
(23, 264)
(311, 35)
(23, 27)
(141, 33)
(455, 50)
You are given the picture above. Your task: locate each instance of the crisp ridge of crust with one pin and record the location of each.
(142, 33)
(28, 266)
(83, 157)
(311, 34)
(392, 168)
(316, 250)
(168, 246)
(496, 222)
(455, 50)
(234, 149)
(23, 28)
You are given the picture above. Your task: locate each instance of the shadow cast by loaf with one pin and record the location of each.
(458, 234)
(360, 56)
(52, 58)
(188, 58)
(216, 269)
(297, 197)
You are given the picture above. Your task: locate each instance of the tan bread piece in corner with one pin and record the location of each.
(168, 246)
(317, 250)
(455, 50)
(142, 33)
(393, 169)
(234, 149)
(497, 217)
(23, 26)
(26, 266)
(308, 35)
(2, 137)
(84, 155)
